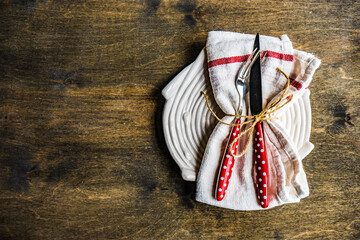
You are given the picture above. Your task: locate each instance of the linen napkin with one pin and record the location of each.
(226, 53)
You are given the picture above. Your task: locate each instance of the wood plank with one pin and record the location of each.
(82, 152)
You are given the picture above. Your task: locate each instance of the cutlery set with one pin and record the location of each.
(250, 70)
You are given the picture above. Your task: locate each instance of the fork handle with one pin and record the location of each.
(227, 163)
(261, 165)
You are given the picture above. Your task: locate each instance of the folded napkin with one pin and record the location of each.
(226, 53)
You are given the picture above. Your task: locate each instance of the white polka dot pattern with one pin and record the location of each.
(227, 164)
(261, 167)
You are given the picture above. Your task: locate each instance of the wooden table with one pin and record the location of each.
(82, 150)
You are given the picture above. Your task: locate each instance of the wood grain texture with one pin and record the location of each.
(82, 154)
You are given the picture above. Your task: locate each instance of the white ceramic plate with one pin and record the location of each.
(188, 123)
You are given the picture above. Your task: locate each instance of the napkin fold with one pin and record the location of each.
(226, 53)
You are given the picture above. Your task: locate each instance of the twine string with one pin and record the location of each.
(254, 119)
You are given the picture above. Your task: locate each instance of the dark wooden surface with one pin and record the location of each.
(82, 154)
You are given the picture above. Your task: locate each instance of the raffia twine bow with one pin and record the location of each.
(254, 119)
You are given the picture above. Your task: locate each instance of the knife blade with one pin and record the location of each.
(260, 159)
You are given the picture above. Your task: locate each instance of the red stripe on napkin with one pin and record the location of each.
(295, 83)
(227, 60)
(221, 61)
(281, 56)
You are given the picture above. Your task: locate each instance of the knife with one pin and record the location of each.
(260, 160)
